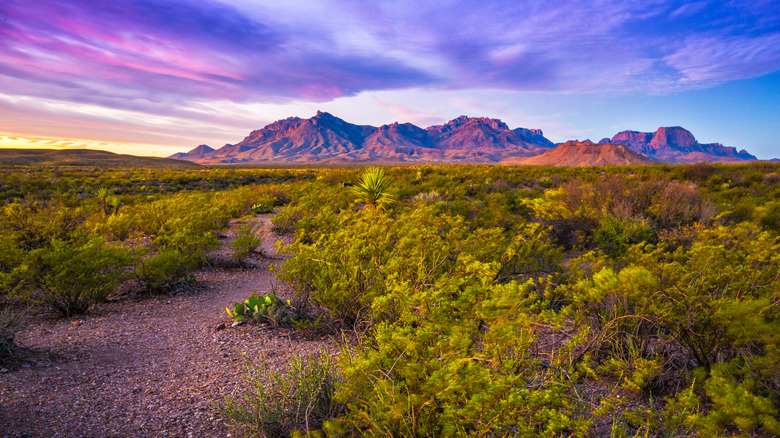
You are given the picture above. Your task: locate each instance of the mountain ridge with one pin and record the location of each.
(676, 145)
(325, 138)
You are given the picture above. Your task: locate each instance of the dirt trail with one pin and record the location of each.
(143, 368)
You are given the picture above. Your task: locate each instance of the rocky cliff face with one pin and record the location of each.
(326, 138)
(678, 145)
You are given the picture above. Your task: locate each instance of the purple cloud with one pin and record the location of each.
(154, 56)
(174, 49)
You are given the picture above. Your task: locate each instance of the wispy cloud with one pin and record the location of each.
(704, 60)
(186, 62)
(250, 51)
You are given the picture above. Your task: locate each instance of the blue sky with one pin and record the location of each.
(157, 77)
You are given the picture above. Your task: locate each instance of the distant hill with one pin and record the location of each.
(325, 138)
(678, 146)
(193, 154)
(84, 157)
(585, 154)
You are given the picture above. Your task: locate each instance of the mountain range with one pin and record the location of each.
(326, 139)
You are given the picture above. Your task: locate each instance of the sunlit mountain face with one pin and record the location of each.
(326, 138)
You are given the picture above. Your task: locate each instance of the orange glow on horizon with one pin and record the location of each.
(17, 141)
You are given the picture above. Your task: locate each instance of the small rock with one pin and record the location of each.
(237, 323)
(220, 327)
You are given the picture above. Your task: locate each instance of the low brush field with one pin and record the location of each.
(402, 301)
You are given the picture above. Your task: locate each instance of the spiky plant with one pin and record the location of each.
(374, 188)
(114, 202)
(103, 194)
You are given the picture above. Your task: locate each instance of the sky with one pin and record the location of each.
(149, 77)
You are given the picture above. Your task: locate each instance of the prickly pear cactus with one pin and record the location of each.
(268, 309)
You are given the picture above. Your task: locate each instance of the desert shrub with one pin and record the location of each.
(426, 197)
(247, 241)
(677, 203)
(615, 235)
(712, 306)
(273, 196)
(74, 275)
(285, 220)
(117, 227)
(313, 210)
(262, 208)
(619, 207)
(531, 255)
(35, 223)
(699, 172)
(276, 403)
(347, 269)
(769, 216)
(162, 271)
(458, 362)
(11, 257)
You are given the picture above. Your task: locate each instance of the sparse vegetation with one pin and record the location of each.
(247, 241)
(480, 300)
(279, 403)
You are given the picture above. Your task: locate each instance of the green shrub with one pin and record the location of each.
(246, 242)
(313, 210)
(276, 403)
(35, 223)
(770, 217)
(262, 208)
(11, 257)
(116, 227)
(73, 275)
(347, 269)
(457, 363)
(164, 270)
(713, 303)
(615, 235)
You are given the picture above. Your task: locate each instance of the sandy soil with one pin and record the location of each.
(145, 367)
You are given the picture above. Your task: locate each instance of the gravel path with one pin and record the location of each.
(143, 368)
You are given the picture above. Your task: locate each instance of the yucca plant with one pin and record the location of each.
(374, 189)
(103, 194)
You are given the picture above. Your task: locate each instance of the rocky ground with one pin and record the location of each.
(145, 367)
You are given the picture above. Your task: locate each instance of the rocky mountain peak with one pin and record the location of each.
(327, 138)
(456, 123)
(674, 136)
(201, 150)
